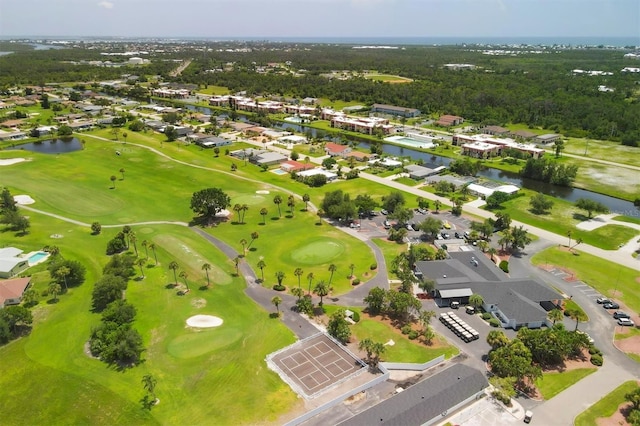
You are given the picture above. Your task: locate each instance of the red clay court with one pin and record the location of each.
(315, 364)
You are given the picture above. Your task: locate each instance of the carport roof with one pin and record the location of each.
(455, 292)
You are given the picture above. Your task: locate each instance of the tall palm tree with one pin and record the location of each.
(254, 236)
(555, 315)
(310, 277)
(321, 289)
(145, 244)
(237, 208)
(332, 269)
(306, 198)
(63, 272)
(243, 212)
(243, 243)
(122, 173)
(113, 181)
(569, 235)
(437, 204)
(184, 276)
(55, 289)
(173, 265)
(291, 202)
(141, 262)
(277, 300)
(298, 273)
(352, 267)
(277, 200)
(262, 265)
(133, 239)
(206, 268)
(152, 246)
(264, 212)
(280, 276)
(298, 292)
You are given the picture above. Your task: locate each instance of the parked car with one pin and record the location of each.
(625, 322)
(422, 211)
(470, 310)
(528, 415)
(384, 212)
(611, 305)
(446, 225)
(589, 338)
(445, 235)
(409, 227)
(602, 300)
(457, 235)
(620, 314)
(454, 305)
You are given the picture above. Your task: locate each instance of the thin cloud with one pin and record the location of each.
(106, 4)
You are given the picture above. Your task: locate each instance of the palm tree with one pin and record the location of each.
(63, 272)
(555, 315)
(277, 200)
(306, 198)
(122, 173)
(578, 242)
(243, 242)
(578, 315)
(133, 239)
(437, 204)
(352, 267)
(366, 345)
(264, 212)
(492, 252)
(298, 292)
(152, 246)
(184, 276)
(206, 268)
(236, 261)
(55, 289)
(54, 251)
(262, 265)
(277, 300)
(124, 136)
(237, 208)
(173, 265)
(332, 269)
(310, 277)
(113, 181)
(298, 273)
(476, 300)
(145, 244)
(243, 212)
(149, 384)
(321, 289)
(483, 245)
(291, 202)
(569, 235)
(141, 262)
(254, 236)
(280, 276)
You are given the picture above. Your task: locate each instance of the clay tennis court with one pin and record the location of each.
(315, 364)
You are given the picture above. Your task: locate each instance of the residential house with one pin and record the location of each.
(494, 130)
(449, 120)
(295, 166)
(485, 146)
(319, 171)
(11, 291)
(212, 142)
(11, 263)
(336, 150)
(420, 172)
(395, 110)
(268, 158)
(428, 401)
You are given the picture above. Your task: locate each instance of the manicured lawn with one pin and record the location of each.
(390, 249)
(607, 406)
(49, 371)
(337, 105)
(610, 279)
(388, 78)
(214, 90)
(407, 181)
(628, 219)
(552, 384)
(563, 217)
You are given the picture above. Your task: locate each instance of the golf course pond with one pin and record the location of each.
(51, 146)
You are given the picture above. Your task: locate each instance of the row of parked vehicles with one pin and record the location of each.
(624, 319)
(459, 327)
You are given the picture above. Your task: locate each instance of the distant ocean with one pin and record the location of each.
(391, 41)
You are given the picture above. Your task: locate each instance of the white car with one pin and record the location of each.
(625, 322)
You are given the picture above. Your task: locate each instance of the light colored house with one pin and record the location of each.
(336, 150)
(11, 291)
(11, 263)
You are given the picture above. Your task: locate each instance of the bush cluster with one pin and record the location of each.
(278, 287)
(504, 265)
(596, 359)
(493, 322)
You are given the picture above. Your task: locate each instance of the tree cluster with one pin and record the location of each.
(547, 170)
(15, 321)
(115, 341)
(10, 215)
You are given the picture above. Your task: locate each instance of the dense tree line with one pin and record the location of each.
(550, 171)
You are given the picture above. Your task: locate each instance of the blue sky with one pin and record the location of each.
(321, 18)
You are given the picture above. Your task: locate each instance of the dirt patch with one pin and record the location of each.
(629, 345)
(618, 418)
(638, 280)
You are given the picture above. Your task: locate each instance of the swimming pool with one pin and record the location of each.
(403, 140)
(294, 119)
(37, 257)
(279, 171)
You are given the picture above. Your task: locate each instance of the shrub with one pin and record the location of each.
(278, 287)
(493, 322)
(406, 329)
(501, 396)
(596, 360)
(594, 351)
(356, 281)
(373, 266)
(413, 335)
(486, 316)
(504, 265)
(356, 316)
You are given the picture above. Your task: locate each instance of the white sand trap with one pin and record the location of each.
(10, 161)
(23, 200)
(204, 321)
(263, 192)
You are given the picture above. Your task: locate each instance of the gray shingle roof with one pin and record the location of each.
(425, 400)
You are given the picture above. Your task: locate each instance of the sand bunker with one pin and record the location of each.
(204, 321)
(23, 200)
(262, 191)
(10, 161)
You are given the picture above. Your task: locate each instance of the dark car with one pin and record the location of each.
(611, 305)
(620, 314)
(457, 235)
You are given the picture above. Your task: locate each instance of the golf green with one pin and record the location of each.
(317, 251)
(248, 199)
(199, 342)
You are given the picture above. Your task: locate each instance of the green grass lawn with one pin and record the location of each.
(607, 406)
(610, 279)
(390, 249)
(602, 150)
(552, 384)
(563, 217)
(49, 371)
(214, 90)
(388, 78)
(628, 219)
